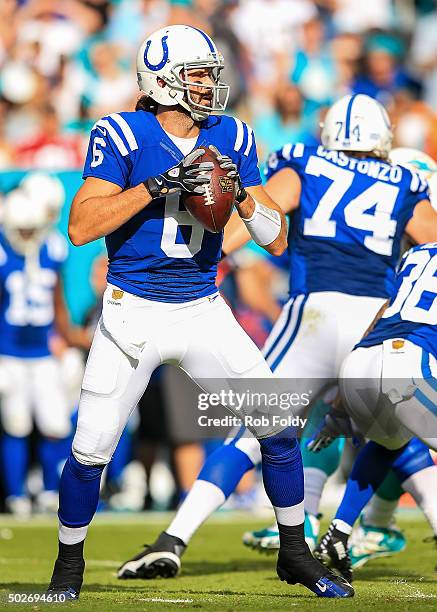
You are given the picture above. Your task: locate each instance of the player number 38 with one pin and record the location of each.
(416, 299)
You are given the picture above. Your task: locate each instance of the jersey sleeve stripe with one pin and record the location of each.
(298, 149)
(104, 123)
(286, 151)
(249, 141)
(415, 182)
(423, 185)
(125, 128)
(240, 135)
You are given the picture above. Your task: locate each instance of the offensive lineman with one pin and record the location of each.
(350, 209)
(161, 304)
(389, 388)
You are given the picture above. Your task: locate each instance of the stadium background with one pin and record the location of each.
(65, 63)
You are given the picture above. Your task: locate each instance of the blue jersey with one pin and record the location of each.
(412, 312)
(163, 253)
(27, 299)
(346, 233)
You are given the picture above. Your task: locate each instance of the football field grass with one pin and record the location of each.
(218, 572)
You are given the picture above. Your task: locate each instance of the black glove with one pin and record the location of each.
(336, 423)
(186, 176)
(226, 163)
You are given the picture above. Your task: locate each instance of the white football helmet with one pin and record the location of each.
(357, 123)
(168, 54)
(420, 162)
(24, 222)
(47, 188)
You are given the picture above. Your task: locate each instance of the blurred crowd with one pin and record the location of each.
(65, 63)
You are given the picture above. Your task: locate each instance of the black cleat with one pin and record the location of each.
(160, 559)
(67, 574)
(312, 574)
(333, 551)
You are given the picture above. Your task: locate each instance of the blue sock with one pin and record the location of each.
(282, 469)
(78, 492)
(369, 470)
(225, 467)
(120, 458)
(52, 455)
(14, 458)
(415, 457)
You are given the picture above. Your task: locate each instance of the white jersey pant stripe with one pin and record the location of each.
(288, 338)
(426, 394)
(288, 324)
(279, 329)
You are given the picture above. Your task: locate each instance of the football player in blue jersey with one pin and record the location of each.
(388, 386)
(161, 304)
(31, 308)
(349, 211)
(414, 471)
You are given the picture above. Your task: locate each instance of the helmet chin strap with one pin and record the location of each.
(196, 114)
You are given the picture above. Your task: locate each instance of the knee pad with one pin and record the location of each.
(98, 429)
(88, 458)
(414, 458)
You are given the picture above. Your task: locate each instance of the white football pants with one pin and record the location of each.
(309, 342)
(33, 388)
(134, 336)
(390, 391)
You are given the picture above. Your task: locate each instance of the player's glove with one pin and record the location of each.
(335, 424)
(186, 176)
(226, 163)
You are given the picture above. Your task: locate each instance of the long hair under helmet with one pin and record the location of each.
(168, 54)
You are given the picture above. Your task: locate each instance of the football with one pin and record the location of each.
(214, 208)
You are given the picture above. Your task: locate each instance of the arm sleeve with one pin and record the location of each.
(290, 156)
(108, 156)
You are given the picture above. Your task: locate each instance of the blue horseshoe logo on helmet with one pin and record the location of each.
(163, 62)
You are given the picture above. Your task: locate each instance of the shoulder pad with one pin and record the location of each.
(119, 131)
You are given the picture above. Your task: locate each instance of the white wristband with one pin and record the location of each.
(264, 225)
